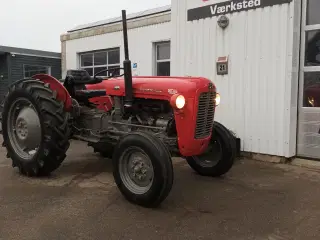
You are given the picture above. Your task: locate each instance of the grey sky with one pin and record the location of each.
(38, 24)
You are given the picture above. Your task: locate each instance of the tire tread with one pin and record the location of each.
(164, 160)
(55, 128)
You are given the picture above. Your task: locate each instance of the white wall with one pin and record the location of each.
(259, 95)
(140, 46)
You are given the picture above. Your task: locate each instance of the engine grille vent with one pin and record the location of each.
(205, 117)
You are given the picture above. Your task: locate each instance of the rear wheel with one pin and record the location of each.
(219, 157)
(35, 128)
(143, 169)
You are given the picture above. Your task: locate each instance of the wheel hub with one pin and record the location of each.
(140, 170)
(24, 129)
(27, 128)
(136, 171)
(211, 156)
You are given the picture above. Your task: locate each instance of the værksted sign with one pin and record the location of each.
(230, 7)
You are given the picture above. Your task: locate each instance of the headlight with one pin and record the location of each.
(180, 102)
(218, 99)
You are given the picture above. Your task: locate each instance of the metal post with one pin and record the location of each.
(127, 65)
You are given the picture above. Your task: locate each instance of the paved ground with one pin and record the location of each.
(255, 201)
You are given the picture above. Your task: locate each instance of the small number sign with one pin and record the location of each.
(222, 65)
(222, 68)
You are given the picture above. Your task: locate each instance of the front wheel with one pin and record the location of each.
(219, 157)
(142, 169)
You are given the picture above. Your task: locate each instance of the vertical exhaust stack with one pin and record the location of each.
(127, 65)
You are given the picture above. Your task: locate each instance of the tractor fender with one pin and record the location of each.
(54, 84)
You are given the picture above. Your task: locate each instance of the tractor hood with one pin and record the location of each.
(155, 87)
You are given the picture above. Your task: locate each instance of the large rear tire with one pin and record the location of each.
(35, 128)
(142, 169)
(219, 157)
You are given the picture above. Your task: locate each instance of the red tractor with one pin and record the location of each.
(140, 123)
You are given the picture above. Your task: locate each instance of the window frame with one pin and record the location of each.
(303, 67)
(36, 65)
(93, 66)
(156, 61)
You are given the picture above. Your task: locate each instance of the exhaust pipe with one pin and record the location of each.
(127, 66)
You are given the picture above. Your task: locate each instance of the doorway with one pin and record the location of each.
(308, 140)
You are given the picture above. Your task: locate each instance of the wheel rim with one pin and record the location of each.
(24, 130)
(136, 170)
(211, 156)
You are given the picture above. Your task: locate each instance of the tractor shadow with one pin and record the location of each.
(91, 163)
(84, 167)
(82, 160)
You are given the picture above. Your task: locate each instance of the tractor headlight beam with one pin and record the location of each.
(218, 99)
(178, 101)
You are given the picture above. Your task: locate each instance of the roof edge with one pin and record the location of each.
(31, 52)
(132, 16)
(115, 27)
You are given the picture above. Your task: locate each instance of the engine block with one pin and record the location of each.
(93, 119)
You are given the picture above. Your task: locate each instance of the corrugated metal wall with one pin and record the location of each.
(3, 76)
(18, 61)
(256, 94)
(11, 69)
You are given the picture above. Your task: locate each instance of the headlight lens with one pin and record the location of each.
(180, 102)
(218, 99)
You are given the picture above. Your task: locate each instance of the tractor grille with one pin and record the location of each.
(205, 115)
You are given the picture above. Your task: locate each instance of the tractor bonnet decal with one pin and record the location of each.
(172, 91)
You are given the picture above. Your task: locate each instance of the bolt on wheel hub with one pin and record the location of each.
(21, 129)
(139, 169)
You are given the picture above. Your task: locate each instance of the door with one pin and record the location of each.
(309, 86)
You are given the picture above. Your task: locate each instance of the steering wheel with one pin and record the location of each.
(109, 70)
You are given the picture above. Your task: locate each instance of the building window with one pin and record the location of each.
(95, 62)
(162, 59)
(30, 70)
(313, 16)
(311, 72)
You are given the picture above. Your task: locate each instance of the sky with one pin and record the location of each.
(38, 24)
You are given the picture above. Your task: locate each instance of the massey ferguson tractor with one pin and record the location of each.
(138, 122)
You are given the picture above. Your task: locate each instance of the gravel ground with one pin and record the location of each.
(80, 201)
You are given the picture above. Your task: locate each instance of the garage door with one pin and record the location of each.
(309, 92)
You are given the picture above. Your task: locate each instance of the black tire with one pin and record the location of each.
(105, 150)
(106, 154)
(161, 161)
(54, 127)
(228, 150)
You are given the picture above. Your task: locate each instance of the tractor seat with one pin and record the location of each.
(78, 76)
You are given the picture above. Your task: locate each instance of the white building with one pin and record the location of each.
(271, 91)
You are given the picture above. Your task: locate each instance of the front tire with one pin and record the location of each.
(219, 156)
(35, 128)
(142, 169)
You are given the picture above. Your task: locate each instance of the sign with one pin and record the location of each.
(222, 65)
(229, 7)
(135, 65)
